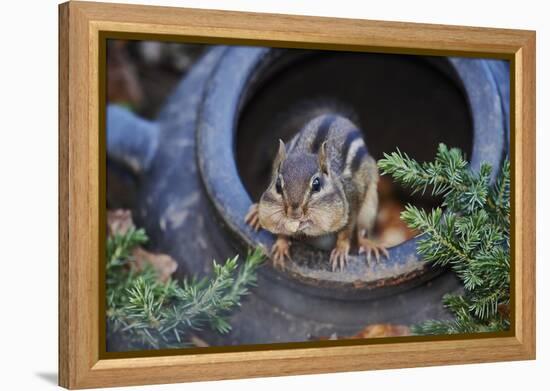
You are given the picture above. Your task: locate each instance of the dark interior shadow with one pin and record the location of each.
(49, 377)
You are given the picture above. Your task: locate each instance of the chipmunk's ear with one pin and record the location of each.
(323, 159)
(281, 156)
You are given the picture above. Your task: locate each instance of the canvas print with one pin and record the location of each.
(260, 196)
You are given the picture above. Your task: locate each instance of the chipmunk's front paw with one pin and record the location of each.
(252, 218)
(369, 247)
(339, 255)
(280, 252)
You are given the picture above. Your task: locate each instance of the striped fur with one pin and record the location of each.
(327, 141)
(346, 150)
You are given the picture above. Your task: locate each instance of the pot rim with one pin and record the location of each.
(234, 80)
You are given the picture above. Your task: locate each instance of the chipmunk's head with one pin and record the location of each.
(304, 197)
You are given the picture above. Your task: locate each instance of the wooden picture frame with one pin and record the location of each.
(81, 25)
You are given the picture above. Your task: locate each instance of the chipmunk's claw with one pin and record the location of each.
(369, 247)
(252, 218)
(280, 253)
(339, 257)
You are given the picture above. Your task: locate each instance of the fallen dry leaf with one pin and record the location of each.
(373, 331)
(123, 85)
(163, 264)
(390, 229)
(504, 310)
(119, 221)
(198, 342)
(382, 330)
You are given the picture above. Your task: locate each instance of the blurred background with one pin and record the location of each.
(141, 74)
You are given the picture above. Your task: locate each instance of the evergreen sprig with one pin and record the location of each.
(143, 312)
(470, 233)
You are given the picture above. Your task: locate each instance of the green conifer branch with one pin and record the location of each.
(471, 234)
(143, 312)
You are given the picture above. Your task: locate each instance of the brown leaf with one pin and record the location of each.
(198, 342)
(390, 229)
(123, 85)
(372, 331)
(504, 311)
(163, 264)
(119, 221)
(382, 330)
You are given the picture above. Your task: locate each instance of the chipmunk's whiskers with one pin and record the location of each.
(274, 213)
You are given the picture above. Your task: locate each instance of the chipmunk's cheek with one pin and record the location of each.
(267, 220)
(324, 222)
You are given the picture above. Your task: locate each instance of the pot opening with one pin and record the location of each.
(407, 102)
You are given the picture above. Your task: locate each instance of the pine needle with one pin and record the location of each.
(471, 234)
(146, 313)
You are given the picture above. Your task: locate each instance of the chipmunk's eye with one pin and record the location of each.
(316, 185)
(278, 187)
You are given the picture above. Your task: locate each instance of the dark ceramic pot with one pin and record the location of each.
(196, 168)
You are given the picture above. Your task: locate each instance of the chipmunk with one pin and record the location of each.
(324, 181)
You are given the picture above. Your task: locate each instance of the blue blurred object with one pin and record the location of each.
(131, 140)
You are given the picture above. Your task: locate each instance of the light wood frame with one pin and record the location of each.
(80, 24)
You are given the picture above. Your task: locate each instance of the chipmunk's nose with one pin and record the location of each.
(295, 211)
